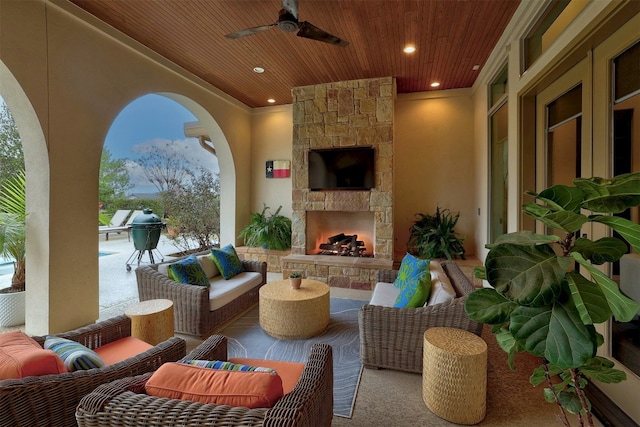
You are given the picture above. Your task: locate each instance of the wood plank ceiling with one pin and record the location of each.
(450, 36)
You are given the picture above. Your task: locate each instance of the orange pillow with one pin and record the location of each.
(21, 356)
(289, 371)
(122, 349)
(234, 388)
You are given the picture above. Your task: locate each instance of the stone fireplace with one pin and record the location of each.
(343, 114)
(322, 225)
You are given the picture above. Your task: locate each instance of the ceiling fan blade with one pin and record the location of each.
(291, 6)
(249, 31)
(310, 31)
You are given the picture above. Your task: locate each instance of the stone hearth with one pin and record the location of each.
(337, 271)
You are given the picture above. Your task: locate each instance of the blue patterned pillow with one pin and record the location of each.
(227, 261)
(188, 271)
(74, 355)
(227, 366)
(414, 282)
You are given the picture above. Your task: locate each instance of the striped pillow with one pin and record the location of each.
(74, 355)
(227, 366)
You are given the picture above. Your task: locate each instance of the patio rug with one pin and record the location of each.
(247, 339)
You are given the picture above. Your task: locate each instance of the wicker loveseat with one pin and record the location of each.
(191, 305)
(124, 402)
(51, 400)
(393, 338)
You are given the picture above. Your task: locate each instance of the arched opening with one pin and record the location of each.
(153, 130)
(37, 196)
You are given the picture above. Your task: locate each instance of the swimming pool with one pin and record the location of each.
(6, 265)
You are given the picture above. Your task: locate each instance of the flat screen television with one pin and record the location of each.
(344, 168)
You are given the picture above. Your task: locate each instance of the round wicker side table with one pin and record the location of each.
(288, 313)
(151, 320)
(454, 375)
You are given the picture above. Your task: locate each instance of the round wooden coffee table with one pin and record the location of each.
(288, 313)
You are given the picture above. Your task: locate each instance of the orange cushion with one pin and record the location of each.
(122, 349)
(21, 356)
(234, 388)
(289, 371)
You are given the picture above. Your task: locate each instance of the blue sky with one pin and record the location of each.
(154, 122)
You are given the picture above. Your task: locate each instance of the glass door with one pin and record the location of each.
(562, 133)
(617, 142)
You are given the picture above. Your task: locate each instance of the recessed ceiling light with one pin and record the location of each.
(476, 67)
(409, 49)
(271, 100)
(435, 84)
(258, 70)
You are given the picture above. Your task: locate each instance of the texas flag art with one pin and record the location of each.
(278, 168)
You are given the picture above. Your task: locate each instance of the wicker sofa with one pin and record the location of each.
(191, 305)
(393, 338)
(124, 402)
(51, 400)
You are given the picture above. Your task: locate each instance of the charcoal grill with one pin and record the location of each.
(145, 231)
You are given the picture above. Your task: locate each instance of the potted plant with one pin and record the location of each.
(13, 245)
(547, 293)
(434, 236)
(295, 278)
(268, 231)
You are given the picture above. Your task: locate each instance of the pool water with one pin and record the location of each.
(6, 266)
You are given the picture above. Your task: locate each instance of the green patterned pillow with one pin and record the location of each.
(74, 355)
(188, 271)
(227, 261)
(414, 282)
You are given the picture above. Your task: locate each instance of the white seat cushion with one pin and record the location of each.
(222, 292)
(384, 294)
(441, 288)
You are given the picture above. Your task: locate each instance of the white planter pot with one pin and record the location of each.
(12, 307)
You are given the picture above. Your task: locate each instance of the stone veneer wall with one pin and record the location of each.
(272, 257)
(343, 114)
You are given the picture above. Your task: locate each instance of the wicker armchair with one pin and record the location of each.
(192, 315)
(393, 338)
(51, 400)
(124, 402)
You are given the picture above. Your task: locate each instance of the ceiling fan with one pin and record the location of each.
(288, 22)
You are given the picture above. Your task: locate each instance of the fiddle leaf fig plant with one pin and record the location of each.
(547, 294)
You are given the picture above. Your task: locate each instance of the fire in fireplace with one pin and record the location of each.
(344, 245)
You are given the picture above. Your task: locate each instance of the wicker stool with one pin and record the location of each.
(454, 376)
(151, 320)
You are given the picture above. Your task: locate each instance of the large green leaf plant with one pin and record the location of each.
(546, 293)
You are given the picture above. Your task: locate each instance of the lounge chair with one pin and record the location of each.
(51, 400)
(124, 402)
(119, 228)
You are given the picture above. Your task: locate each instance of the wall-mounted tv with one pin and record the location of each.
(344, 168)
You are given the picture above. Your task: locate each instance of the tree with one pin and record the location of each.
(165, 172)
(194, 207)
(114, 180)
(11, 154)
